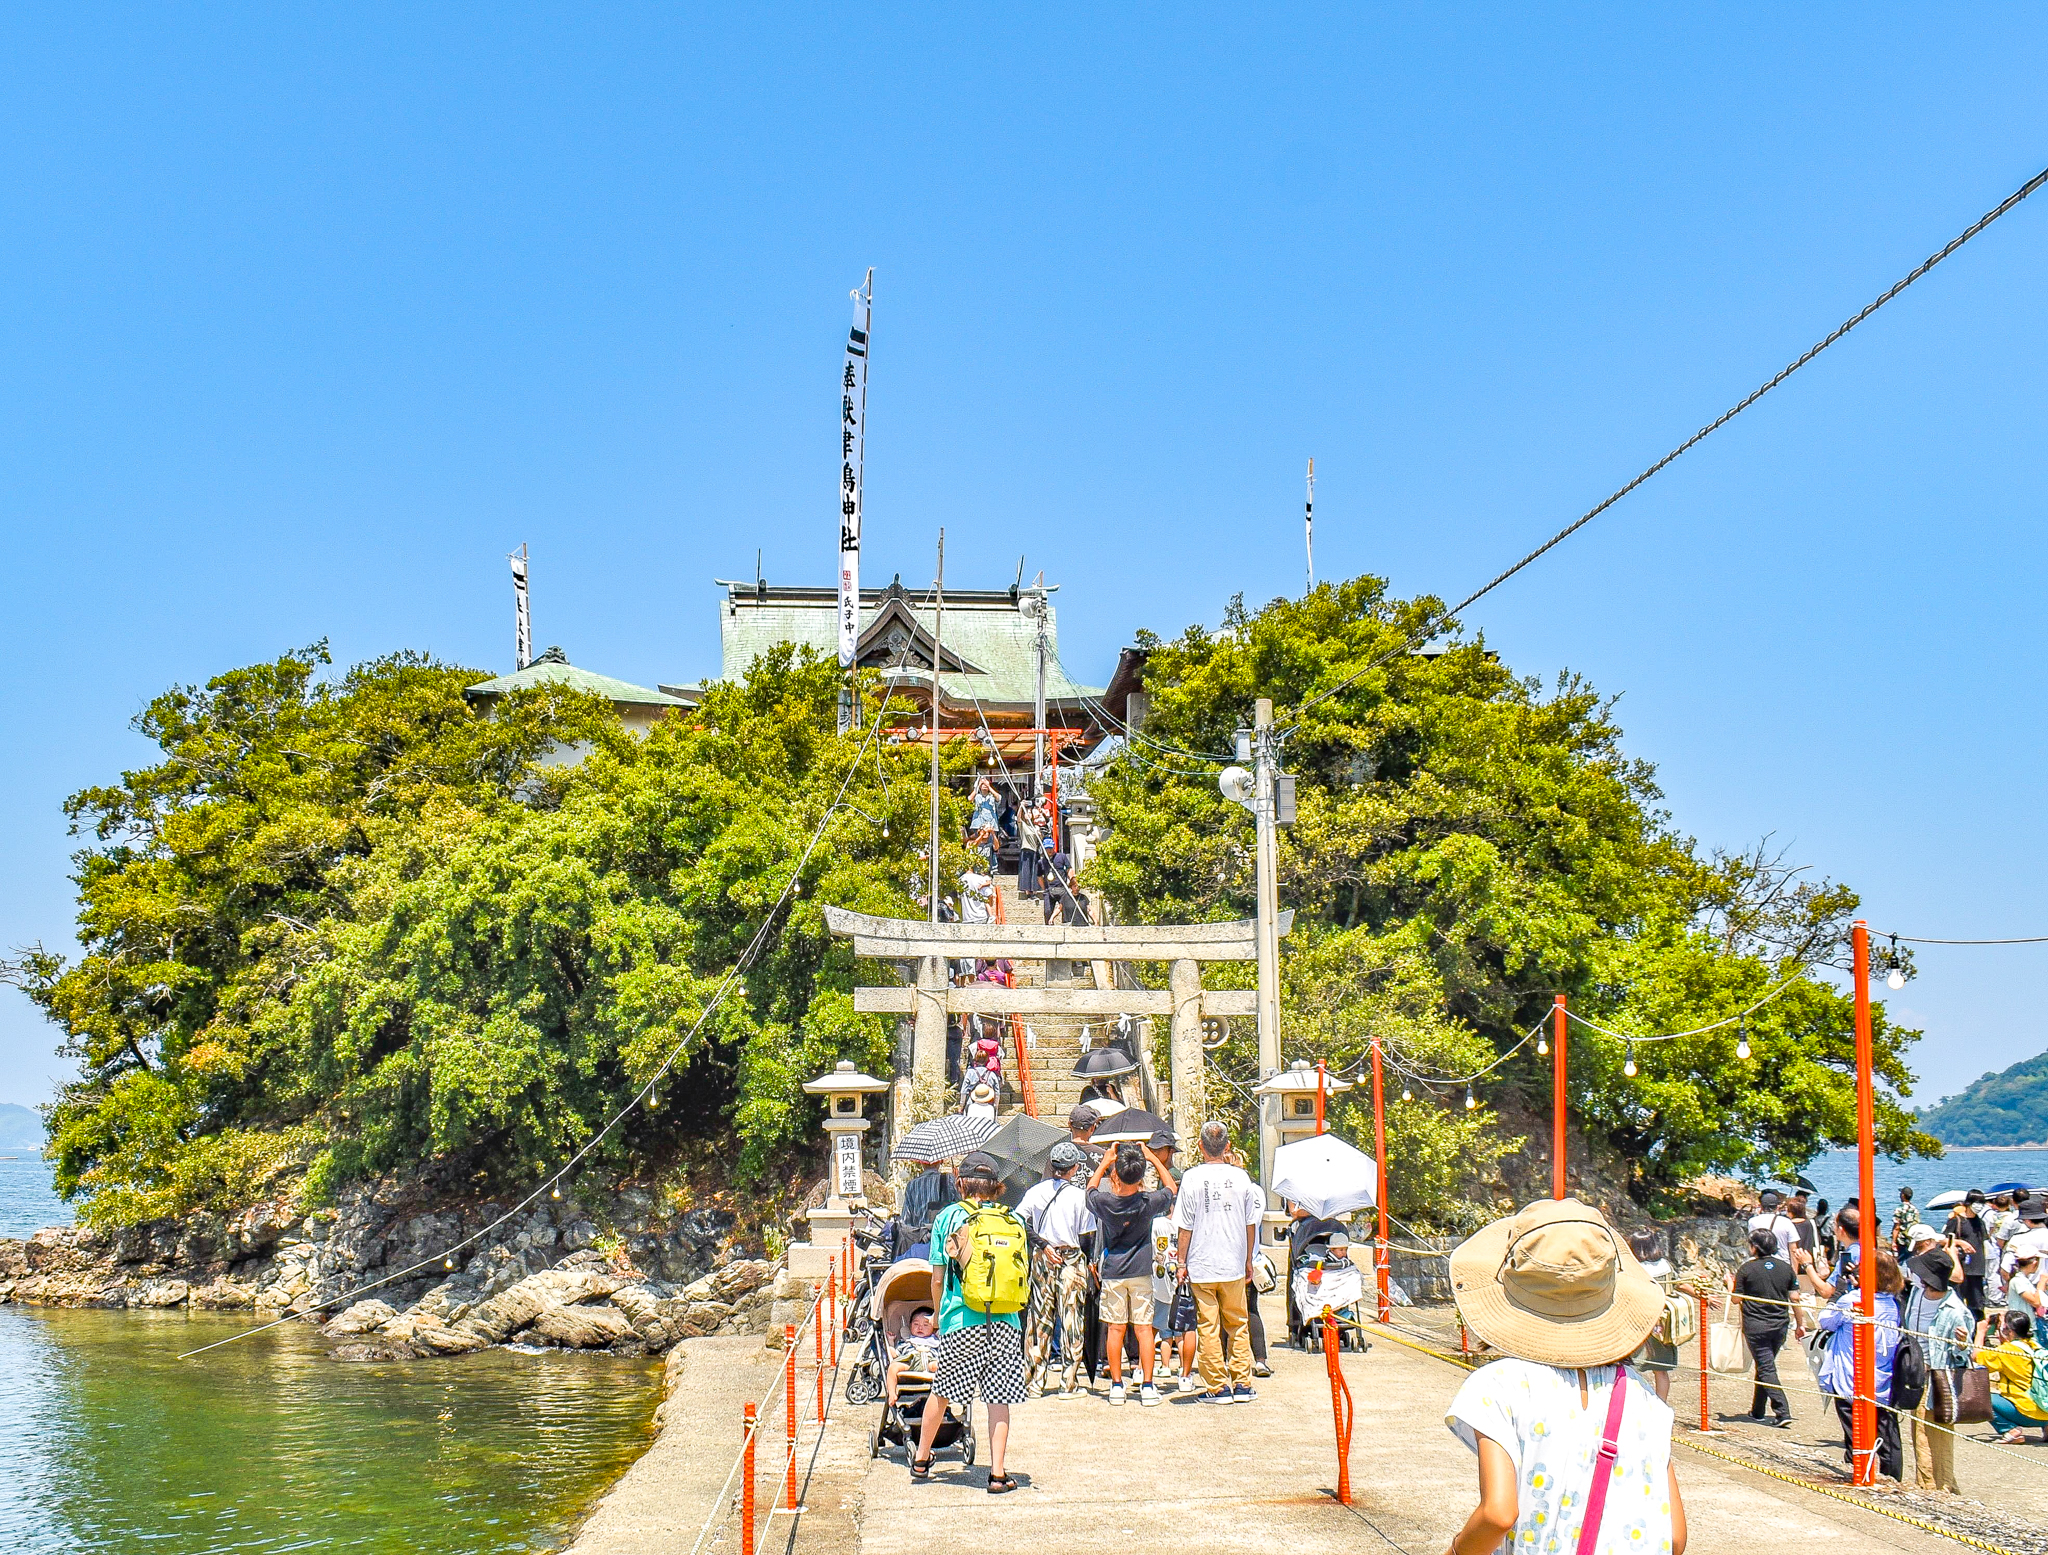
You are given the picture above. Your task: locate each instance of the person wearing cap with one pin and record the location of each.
(1555, 1289)
(1921, 1241)
(1081, 1123)
(1966, 1237)
(1057, 1212)
(1838, 1365)
(979, 1352)
(1946, 1329)
(1770, 1217)
(2023, 1291)
(2033, 1232)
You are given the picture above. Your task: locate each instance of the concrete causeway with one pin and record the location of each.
(1181, 1477)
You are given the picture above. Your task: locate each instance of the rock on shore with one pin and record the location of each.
(537, 1279)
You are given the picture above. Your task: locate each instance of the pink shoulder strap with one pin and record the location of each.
(1603, 1464)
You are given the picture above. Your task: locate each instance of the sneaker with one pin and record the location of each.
(1243, 1393)
(1148, 1395)
(1068, 1395)
(1261, 1369)
(1220, 1396)
(1190, 1383)
(1116, 1392)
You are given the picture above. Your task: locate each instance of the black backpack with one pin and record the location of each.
(1909, 1374)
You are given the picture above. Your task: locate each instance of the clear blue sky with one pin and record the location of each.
(309, 318)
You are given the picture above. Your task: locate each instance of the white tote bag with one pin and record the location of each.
(1726, 1353)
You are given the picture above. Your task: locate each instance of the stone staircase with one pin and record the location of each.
(1057, 1045)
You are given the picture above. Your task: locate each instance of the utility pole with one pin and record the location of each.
(1265, 811)
(938, 657)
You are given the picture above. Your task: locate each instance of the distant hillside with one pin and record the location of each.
(21, 1128)
(2000, 1109)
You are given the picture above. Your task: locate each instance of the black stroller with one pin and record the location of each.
(1319, 1275)
(901, 1291)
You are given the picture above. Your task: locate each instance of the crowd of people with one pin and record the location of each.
(1122, 1253)
(1965, 1295)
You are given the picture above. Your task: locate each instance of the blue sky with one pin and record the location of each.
(307, 319)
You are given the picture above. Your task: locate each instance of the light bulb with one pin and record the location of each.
(447, 1263)
(1471, 1101)
(555, 1192)
(1542, 1047)
(1895, 979)
(1742, 1047)
(885, 829)
(1406, 1094)
(1628, 1066)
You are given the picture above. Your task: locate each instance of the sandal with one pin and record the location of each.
(920, 1469)
(1001, 1484)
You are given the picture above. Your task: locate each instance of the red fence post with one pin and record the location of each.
(1340, 1404)
(832, 1294)
(818, 1354)
(747, 1485)
(1706, 1420)
(789, 1410)
(1863, 1411)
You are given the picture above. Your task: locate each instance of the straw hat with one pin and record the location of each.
(1554, 1282)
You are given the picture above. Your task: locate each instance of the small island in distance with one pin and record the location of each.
(2005, 1109)
(21, 1128)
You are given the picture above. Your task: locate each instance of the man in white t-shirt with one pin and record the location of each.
(1056, 1210)
(1217, 1216)
(1769, 1218)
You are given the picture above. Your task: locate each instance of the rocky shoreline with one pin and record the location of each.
(549, 1276)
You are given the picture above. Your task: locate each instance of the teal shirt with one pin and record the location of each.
(953, 1309)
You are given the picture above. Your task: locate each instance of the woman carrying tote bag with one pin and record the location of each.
(1574, 1447)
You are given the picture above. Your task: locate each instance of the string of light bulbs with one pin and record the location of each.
(731, 981)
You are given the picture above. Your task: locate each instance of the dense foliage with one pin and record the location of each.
(1469, 844)
(2006, 1108)
(358, 924)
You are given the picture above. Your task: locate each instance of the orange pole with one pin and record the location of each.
(1052, 745)
(818, 1355)
(1863, 1414)
(747, 1485)
(1464, 1339)
(838, 1317)
(1379, 1150)
(789, 1411)
(1322, 1079)
(1706, 1420)
(1340, 1401)
(1557, 1112)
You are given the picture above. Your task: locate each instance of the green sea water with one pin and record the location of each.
(114, 1444)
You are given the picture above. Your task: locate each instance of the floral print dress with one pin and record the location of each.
(1533, 1412)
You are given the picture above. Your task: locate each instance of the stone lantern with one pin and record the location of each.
(845, 1089)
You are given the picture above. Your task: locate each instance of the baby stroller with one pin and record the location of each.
(1323, 1275)
(901, 1291)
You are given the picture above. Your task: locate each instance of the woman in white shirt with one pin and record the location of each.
(1568, 1437)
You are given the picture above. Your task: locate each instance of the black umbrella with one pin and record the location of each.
(1022, 1147)
(1102, 1063)
(1133, 1123)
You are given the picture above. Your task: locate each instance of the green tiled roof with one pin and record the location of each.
(553, 668)
(986, 630)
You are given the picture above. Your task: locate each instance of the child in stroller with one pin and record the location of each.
(917, 1353)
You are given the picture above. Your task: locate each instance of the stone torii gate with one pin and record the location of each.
(932, 999)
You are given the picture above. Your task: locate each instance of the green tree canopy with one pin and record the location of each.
(358, 925)
(1468, 845)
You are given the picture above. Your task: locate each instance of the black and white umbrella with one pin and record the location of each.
(942, 1139)
(1103, 1063)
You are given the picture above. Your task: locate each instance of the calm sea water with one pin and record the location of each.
(116, 1445)
(268, 1445)
(27, 1201)
(1834, 1174)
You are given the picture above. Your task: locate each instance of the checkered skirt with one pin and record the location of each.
(985, 1359)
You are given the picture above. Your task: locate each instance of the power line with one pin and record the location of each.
(726, 983)
(1910, 939)
(1432, 629)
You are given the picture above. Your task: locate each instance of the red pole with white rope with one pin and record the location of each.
(1863, 1412)
(1379, 1151)
(1557, 1099)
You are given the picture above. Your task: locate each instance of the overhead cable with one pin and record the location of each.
(1436, 625)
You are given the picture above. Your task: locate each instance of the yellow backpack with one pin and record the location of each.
(991, 1249)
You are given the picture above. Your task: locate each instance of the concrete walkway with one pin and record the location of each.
(1181, 1477)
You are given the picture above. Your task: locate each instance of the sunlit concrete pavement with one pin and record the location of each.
(1187, 1476)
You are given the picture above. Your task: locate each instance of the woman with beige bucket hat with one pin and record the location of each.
(1574, 1448)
